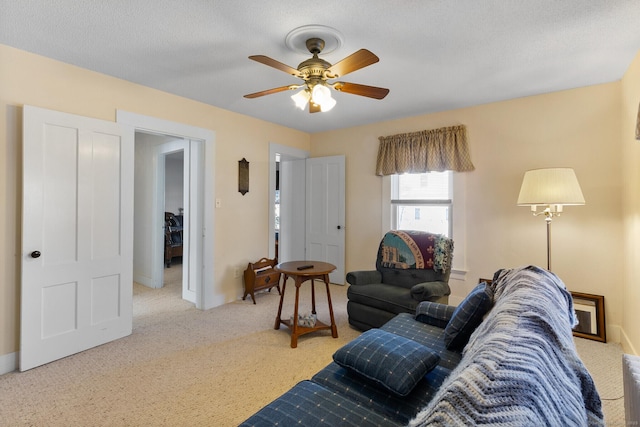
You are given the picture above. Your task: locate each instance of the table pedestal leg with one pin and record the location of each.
(278, 319)
(334, 328)
(294, 330)
(313, 297)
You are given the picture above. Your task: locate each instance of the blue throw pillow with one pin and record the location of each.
(392, 361)
(434, 313)
(467, 316)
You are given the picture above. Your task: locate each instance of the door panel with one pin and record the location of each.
(77, 212)
(105, 172)
(59, 194)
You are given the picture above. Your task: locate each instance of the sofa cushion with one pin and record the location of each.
(402, 409)
(394, 362)
(428, 335)
(310, 404)
(467, 316)
(430, 291)
(393, 299)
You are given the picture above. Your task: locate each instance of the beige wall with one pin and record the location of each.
(631, 209)
(587, 129)
(240, 224)
(577, 128)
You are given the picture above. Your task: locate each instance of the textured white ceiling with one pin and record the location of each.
(435, 55)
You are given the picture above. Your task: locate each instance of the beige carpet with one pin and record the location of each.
(185, 367)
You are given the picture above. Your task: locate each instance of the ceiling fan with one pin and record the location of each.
(315, 72)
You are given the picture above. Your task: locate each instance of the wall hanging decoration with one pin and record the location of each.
(243, 176)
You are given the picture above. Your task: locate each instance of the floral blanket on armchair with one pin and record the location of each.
(410, 249)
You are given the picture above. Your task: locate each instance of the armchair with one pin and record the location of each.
(411, 266)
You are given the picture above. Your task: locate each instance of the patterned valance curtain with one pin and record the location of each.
(425, 151)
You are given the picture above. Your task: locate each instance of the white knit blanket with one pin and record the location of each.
(520, 367)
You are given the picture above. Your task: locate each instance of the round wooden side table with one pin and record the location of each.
(302, 271)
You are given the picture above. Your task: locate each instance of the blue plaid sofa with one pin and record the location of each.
(478, 363)
(340, 396)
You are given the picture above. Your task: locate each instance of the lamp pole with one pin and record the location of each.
(549, 212)
(548, 220)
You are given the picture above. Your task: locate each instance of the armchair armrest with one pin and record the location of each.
(429, 291)
(364, 277)
(434, 313)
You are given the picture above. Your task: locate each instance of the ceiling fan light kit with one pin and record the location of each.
(301, 98)
(315, 72)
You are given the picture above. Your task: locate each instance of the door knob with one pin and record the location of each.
(35, 254)
(339, 227)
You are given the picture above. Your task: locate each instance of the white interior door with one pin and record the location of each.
(325, 214)
(77, 234)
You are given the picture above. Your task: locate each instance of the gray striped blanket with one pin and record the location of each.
(520, 367)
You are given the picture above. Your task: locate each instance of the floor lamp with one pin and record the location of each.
(550, 189)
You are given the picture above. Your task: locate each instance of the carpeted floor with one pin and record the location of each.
(604, 362)
(185, 367)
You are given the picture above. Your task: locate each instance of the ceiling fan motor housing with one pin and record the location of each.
(313, 69)
(315, 45)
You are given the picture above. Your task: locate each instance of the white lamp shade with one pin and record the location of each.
(552, 186)
(301, 98)
(328, 104)
(320, 94)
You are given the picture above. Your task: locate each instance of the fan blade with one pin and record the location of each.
(275, 64)
(314, 108)
(362, 90)
(351, 63)
(270, 91)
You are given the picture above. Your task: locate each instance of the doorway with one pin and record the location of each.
(311, 193)
(199, 150)
(159, 188)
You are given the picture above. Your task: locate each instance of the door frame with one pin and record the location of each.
(201, 198)
(288, 153)
(158, 261)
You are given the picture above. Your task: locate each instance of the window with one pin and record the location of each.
(422, 201)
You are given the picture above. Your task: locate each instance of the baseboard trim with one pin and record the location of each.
(625, 342)
(613, 333)
(8, 363)
(143, 280)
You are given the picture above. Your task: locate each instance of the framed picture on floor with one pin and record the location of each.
(590, 313)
